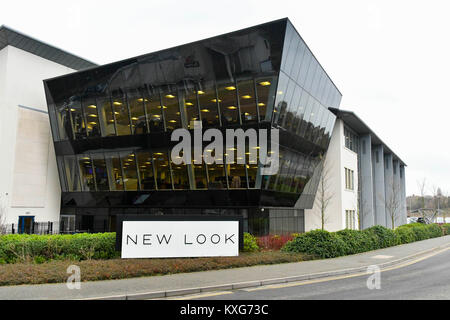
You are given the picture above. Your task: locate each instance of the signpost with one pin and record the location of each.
(175, 237)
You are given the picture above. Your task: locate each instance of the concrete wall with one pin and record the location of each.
(23, 153)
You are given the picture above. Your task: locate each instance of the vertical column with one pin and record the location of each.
(388, 187)
(398, 196)
(367, 215)
(403, 195)
(378, 184)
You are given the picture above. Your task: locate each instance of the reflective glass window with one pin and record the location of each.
(180, 176)
(305, 120)
(119, 103)
(61, 114)
(216, 175)
(145, 165)
(287, 43)
(208, 105)
(292, 108)
(152, 104)
(171, 109)
(281, 90)
(228, 103)
(105, 115)
(101, 173)
(301, 110)
(163, 177)
(265, 88)
(302, 74)
(78, 121)
(91, 116)
(298, 59)
(190, 107)
(292, 52)
(312, 73)
(236, 173)
(247, 101)
(138, 117)
(114, 169)
(130, 175)
(86, 173)
(252, 165)
(284, 102)
(72, 173)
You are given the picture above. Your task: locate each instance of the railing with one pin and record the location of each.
(32, 228)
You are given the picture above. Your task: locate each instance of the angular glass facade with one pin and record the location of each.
(112, 125)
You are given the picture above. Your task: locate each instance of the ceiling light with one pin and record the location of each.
(72, 110)
(173, 121)
(92, 115)
(232, 107)
(92, 106)
(230, 88)
(200, 92)
(261, 104)
(264, 83)
(170, 96)
(93, 123)
(117, 103)
(135, 118)
(246, 97)
(205, 110)
(189, 104)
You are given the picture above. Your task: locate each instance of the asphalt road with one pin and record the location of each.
(426, 278)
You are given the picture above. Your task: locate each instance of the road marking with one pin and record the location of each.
(196, 296)
(301, 283)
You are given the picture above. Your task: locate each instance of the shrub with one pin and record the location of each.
(250, 243)
(381, 237)
(405, 235)
(355, 240)
(40, 248)
(445, 229)
(274, 242)
(319, 243)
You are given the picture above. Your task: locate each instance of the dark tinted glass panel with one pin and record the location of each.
(247, 101)
(216, 176)
(72, 173)
(190, 108)
(61, 115)
(208, 105)
(121, 112)
(114, 171)
(163, 177)
(91, 116)
(228, 104)
(101, 173)
(146, 174)
(281, 91)
(137, 112)
(130, 175)
(106, 115)
(236, 173)
(78, 121)
(86, 173)
(171, 109)
(180, 176)
(154, 112)
(265, 88)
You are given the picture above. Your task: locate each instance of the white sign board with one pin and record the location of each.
(170, 239)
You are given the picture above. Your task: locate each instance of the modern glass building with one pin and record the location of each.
(112, 128)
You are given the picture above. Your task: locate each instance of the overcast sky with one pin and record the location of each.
(390, 59)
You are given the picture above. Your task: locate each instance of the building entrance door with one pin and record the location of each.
(25, 224)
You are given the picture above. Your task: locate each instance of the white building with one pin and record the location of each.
(29, 185)
(364, 181)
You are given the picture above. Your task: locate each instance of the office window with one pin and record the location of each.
(350, 219)
(145, 166)
(351, 140)
(130, 175)
(163, 175)
(121, 113)
(171, 109)
(349, 179)
(208, 105)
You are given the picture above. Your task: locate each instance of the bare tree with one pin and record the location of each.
(324, 194)
(393, 203)
(422, 185)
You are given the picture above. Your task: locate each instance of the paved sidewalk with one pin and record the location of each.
(174, 282)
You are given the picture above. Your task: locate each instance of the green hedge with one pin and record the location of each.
(324, 244)
(40, 248)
